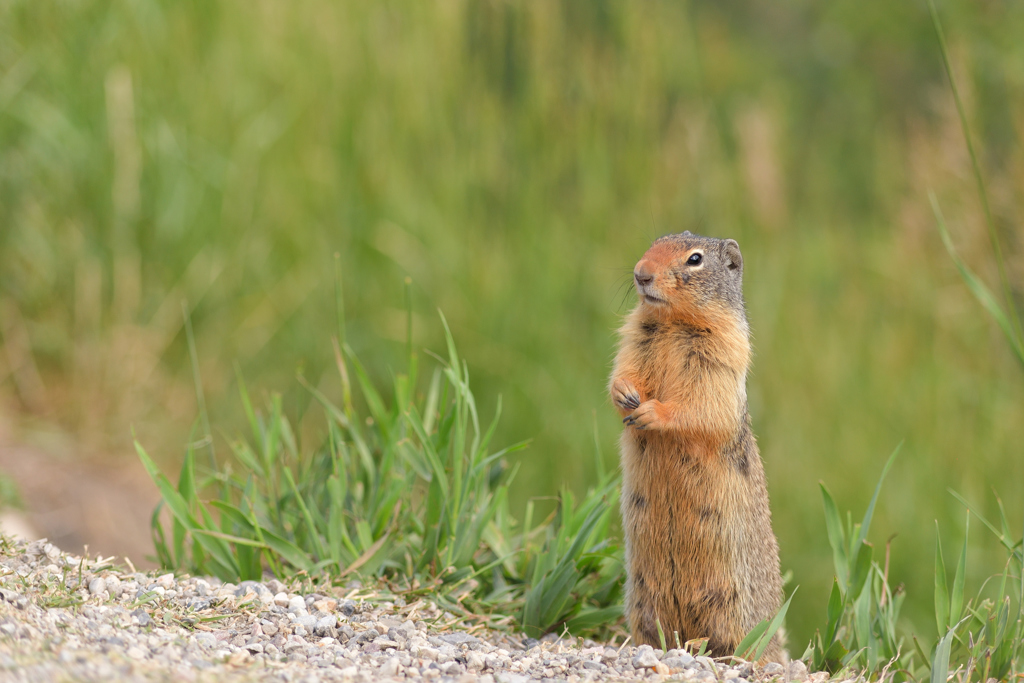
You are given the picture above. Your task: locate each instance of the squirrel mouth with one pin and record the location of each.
(653, 299)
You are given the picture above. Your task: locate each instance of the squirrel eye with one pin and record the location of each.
(694, 259)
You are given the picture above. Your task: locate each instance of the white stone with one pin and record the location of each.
(645, 658)
(797, 671)
(390, 667)
(475, 661)
(678, 662)
(424, 652)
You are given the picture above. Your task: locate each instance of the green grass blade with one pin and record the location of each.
(748, 646)
(869, 513)
(164, 555)
(1017, 333)
(245, 455)
(230, 538)
(940, 660)
(1004, 523)
(373, 398)
(861, 570)
(978, 288)
(236, 516)
(774, 626)
(942, 620)
(250, 414)
(187, 489)
(454, 363)
(661, 636)
(591, 618)
(956, 600)
(287, 550)
(193, 356)
(433, 457)
(433, 396)
(836, 537)
(835, 613)
(489, 434)
(180, 509)
(1007, 542)
(312, 531)
(862, 624)
(554, 594)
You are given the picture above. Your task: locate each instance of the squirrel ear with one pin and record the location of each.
(733, 258)
(687, 233)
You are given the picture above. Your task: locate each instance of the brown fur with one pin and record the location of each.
(700, 553)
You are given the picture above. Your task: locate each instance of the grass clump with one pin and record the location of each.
(412, 491)
(862, 609)
(980, 639)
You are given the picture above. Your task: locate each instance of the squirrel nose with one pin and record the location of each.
(642, 275)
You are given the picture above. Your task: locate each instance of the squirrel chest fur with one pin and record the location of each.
(701, 558)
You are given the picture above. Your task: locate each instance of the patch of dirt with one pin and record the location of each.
(78, 501)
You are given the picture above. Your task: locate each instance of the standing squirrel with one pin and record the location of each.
(701, 557)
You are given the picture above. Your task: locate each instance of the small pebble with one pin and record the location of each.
(324, 626)
(390, 667)
(325, 605)
(142, 616)
(797, 671)
(645, 658)
(458, 638)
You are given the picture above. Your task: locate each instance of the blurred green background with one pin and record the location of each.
(514, 160)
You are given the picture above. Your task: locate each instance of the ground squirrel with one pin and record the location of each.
(701, 557)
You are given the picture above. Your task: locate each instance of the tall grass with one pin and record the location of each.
(412, 490)
(979, 637)
(982, 639)
(1005, 314)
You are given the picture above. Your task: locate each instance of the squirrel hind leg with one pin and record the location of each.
(643, 622)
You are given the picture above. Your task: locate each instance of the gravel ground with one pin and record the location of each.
(63, 617)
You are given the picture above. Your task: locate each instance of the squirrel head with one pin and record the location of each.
(691, 277)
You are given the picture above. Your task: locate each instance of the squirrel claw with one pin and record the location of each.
(646, 416)
(625, 395)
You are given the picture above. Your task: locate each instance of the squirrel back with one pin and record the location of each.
(701, 557)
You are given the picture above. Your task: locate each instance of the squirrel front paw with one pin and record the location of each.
(625, 395)
(651, 414)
